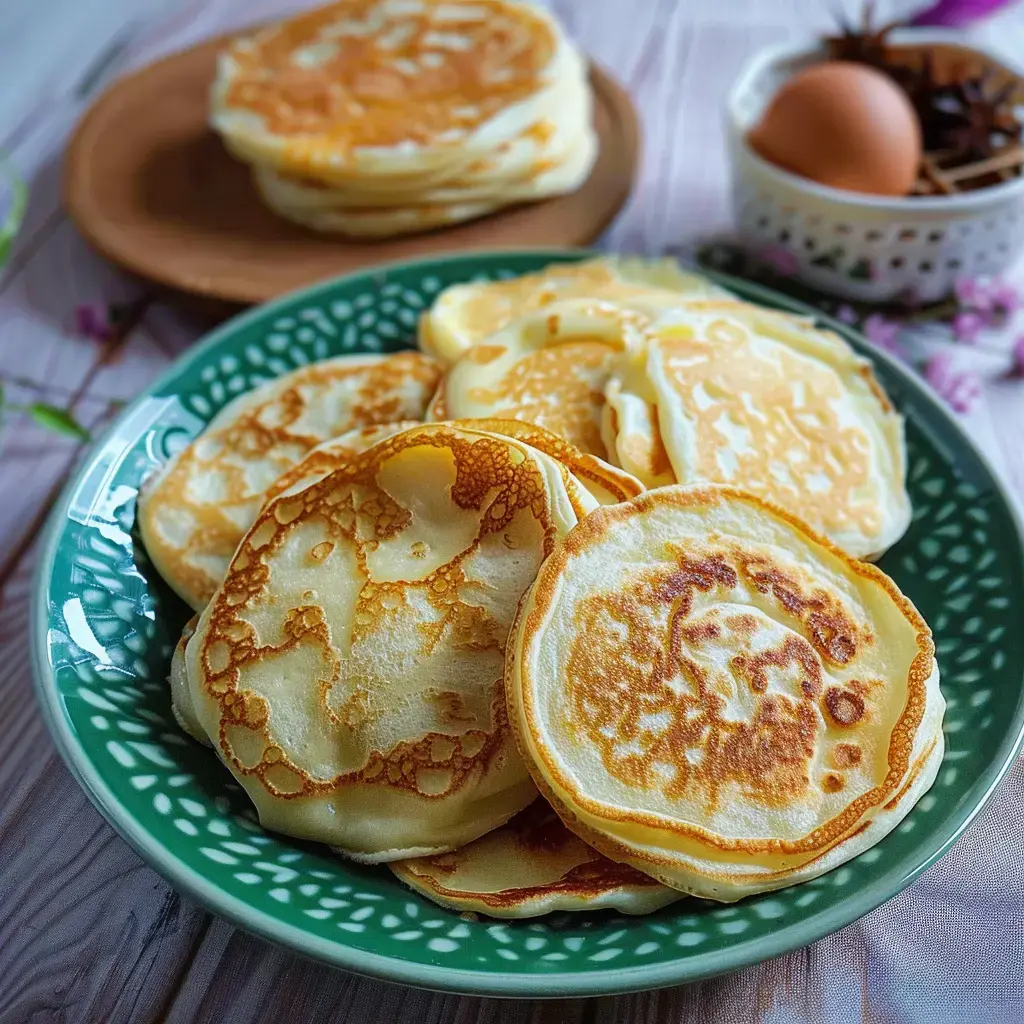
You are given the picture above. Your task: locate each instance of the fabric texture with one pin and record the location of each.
(949, 949)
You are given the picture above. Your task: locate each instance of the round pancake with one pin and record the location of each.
(350, 215)
(750, 398)
(548, 368)
(350, 665)
(181, 697)
(193, 512)
(464, 314)
(707, 690)
(387, 87)
(379, 223)
(529, 866)
(550, 154)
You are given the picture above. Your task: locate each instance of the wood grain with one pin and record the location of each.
(154, 190)
(87, 932)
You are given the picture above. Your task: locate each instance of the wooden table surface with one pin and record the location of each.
(87, 932)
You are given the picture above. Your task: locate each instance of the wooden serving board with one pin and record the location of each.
(152, 187)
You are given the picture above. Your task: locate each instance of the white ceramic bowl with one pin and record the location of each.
(874, 248)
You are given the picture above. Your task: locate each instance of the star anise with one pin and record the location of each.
(932, 102)
(864, 44)
(972, 118)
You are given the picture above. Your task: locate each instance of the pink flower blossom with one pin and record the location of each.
(960, 388)
(1005, 296)
(883, 332)
(92, 320)
(781, 260)
(972, 292)
(846, 314)
(967, 326)
(991, 297)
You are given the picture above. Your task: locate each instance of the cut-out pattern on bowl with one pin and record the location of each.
(107, 625)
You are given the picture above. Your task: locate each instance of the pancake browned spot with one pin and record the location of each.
(689, 670)
(846, 755)
(844, 707)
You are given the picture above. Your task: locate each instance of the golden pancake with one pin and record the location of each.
(529, 866)
(352, 215)
(553, 155)
(629, 422)
(548, 368)
(386, 87)
(374, 118)
(465, 314)
(748, 397)
(350, 665)
(385, 222)
(709, 691)
(193, 513)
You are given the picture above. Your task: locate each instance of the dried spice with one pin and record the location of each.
(973, 118)
(864, 44)
(969, 127)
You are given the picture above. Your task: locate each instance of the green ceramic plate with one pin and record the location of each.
(104, 627)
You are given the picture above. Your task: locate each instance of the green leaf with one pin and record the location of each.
(60, 421)
(17, 200)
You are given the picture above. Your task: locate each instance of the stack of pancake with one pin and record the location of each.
(566, 611)
(374, 118)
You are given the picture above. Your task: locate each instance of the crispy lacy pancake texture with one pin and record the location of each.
(607, 484)
(465, 314)
(323, 459)
(349, 668)
(710, 692)
(752, 398)
(548, 368)
(194, 512)
(531, 865)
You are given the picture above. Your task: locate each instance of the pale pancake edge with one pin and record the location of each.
(529, 866)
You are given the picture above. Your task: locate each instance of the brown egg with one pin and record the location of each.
(844, 125)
